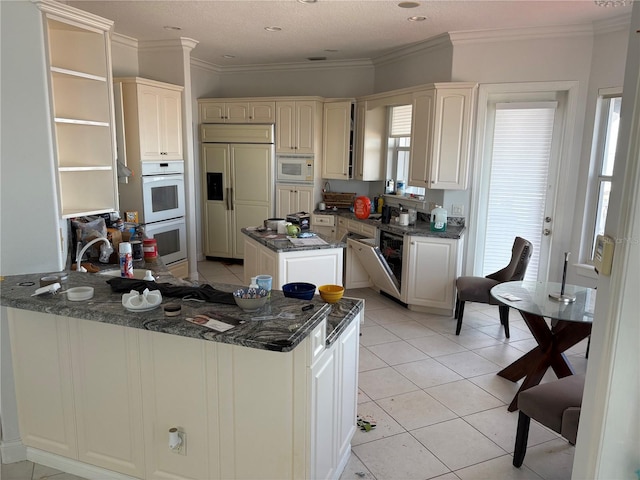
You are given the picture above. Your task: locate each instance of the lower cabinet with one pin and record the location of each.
(320, 267)
(433, 264)
(107, 395)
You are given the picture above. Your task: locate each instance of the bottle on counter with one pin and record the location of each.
(438, 219)
(136, 239)
(126, 260)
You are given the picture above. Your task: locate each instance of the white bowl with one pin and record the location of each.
(79, 294)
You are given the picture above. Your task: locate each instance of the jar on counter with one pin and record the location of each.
(150, 250)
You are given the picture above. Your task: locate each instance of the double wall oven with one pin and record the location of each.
(163, 208)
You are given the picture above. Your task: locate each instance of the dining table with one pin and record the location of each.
(555, 325)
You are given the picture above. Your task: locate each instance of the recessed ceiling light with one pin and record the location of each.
(331, 50)
(417, 19)
(171, 27)
(408, 4)
(307, 1)
(228, 56)
(273, 29)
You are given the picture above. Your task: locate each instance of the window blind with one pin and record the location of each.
(401, 121)
(519, 182)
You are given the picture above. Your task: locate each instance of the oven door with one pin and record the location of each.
(171, 237)
(163, 197)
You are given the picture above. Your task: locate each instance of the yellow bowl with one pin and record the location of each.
(331, 293)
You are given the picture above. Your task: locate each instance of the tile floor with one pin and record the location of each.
(440, 409)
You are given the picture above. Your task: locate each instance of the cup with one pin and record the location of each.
(404, 219)
(322, 206)
(265, 281)
(282, 228)
(292, 230)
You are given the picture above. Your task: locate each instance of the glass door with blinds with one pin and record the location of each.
(520, 184)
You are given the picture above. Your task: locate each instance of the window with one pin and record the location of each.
(606, 140)
(399, 142)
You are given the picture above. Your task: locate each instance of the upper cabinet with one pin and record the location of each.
(369, 151)
(337, 134)
(83, 118)
(441, 136)
(152, 113)
(296, 126)
(215, 111)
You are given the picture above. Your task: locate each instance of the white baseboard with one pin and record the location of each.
(74, 467)
(11, 452)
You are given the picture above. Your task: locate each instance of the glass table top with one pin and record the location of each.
(533, 297)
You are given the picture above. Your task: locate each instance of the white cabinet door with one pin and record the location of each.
(355, 275)
(295, 126)
(347, 395)
(432, 271)
(285, 200)
(369, 148)
(337, 134)
(305, 200)
(262, 112)
(106, 381)
(320, 267)
(176, 372)
(441, 136)
(236, 112)
(324, 412)
(212, 112)
(160, 118)
(44, 386)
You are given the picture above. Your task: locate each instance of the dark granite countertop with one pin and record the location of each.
(278, 334)
(420, 229)
(281, 243)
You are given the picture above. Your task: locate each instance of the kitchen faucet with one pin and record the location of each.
(80, 251)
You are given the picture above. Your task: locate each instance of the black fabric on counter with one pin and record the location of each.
(203, 292)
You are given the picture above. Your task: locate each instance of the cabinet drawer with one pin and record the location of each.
(368, 230)
(324, 220)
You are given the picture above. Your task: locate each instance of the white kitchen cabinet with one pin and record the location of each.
(152, 115)
(237, 111)
(337, 136)
(297, 126)
(320, 266)
(370, 148)
(324, 224)
(179, 394)
(432, 266)
(106, 382)
(82, 109)
(441, 136)
(43, 381)
(293, 199)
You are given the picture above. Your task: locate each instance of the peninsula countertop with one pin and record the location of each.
(276, 334)
(281, 242)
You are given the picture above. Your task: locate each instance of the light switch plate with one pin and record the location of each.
(457, 210)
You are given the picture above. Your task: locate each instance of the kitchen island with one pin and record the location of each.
(99, 387)
(317, 260)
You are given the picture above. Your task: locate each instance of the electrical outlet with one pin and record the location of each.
(457, 210)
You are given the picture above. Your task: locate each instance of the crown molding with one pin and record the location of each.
(436, 43)
(524, 33)
(52, 7)
(614, 24)
(178, 43)
(283, 67)
(124, 40)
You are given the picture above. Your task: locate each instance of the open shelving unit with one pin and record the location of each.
(83, 118)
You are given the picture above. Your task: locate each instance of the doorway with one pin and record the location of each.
(521, 134)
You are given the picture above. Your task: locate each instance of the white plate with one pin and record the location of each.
(79, 294)
(144, 309)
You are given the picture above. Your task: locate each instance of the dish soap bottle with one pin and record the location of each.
(438, 219)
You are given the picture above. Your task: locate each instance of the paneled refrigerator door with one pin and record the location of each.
(217, 200)
(252, 188)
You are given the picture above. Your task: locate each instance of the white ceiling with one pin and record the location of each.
(335, 29)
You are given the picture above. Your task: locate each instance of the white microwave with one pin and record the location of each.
(294, 168)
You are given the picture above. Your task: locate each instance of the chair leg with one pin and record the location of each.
(504, 318)
(522, 434)
(586, 355)
(460, 310)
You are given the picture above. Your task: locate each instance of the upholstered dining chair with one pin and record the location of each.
(555, 405)
(476, 289)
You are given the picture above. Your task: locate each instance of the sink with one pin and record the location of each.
(138, 273)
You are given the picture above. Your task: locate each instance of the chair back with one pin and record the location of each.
(520, 256)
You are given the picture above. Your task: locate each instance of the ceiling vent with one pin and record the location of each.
(316, 59)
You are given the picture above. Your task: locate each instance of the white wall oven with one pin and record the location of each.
(163, 195)
(171, 237)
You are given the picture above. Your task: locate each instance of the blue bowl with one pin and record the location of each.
(303, 291)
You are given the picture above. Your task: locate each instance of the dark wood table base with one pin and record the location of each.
(552, 342)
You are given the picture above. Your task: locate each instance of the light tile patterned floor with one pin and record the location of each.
(440, 409)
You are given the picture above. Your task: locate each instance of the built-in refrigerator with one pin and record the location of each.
(237, 184)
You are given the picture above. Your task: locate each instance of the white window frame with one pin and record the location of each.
(394, 148)
(599, 149)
